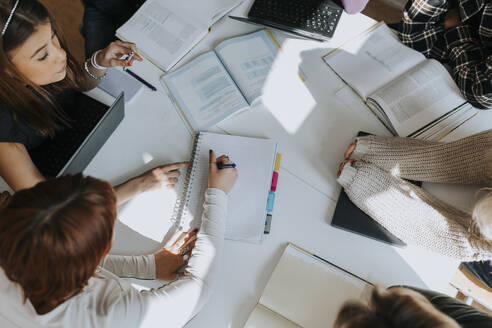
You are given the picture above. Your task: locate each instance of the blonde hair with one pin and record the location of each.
(482, 214)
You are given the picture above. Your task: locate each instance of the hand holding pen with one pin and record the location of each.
(222, 179)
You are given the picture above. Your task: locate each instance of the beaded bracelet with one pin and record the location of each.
(95, 77)
(93, 61)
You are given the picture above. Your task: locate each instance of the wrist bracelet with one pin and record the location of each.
(95, 77)
(93, 61)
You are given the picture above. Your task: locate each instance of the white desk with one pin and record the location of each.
(313, 128)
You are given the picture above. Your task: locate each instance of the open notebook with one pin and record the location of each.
(166, 30)
(247, 201)
(224, 81)
(411, 95)
(305, 291)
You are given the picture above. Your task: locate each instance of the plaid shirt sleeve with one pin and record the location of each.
(422, 27)
(472, 66)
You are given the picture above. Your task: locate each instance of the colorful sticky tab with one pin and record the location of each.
(278, 158)
(274, 181)
(270, 201)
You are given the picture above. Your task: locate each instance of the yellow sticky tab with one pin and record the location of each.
(278, 158)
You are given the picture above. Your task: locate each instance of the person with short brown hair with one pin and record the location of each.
(404, 307)
(55, 271)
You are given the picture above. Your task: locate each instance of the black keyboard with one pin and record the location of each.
(315, 16)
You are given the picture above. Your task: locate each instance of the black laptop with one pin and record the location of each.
(313, 19)
(72, 149)
(349, 217)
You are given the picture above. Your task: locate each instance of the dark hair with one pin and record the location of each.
(54, 235)
(30, 103)
(393, 308)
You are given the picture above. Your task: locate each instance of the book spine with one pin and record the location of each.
(181, 205)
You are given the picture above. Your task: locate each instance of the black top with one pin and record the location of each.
(19, 132)
(465, 315)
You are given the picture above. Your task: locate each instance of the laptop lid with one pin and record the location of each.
(96, 138)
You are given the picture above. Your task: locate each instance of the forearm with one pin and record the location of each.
(137, 266)
(127, 190)
(91, 82)
(464, 161)
(413, 215)
(176, 303)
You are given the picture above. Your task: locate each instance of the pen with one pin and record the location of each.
(150, 86)
(226, 166)
(129, 59)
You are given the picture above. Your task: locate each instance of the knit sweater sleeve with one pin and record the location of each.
(464, 161)
(413, 215)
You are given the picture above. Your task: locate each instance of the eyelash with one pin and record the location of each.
(46, 55)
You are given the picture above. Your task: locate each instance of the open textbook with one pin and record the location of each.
(166, 30)
(305, 291)
(412, 96)
(224, 81)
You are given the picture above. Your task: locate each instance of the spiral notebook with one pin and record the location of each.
(247, 200)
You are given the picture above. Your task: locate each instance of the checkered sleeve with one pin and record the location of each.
(422, 27)
(472, 66)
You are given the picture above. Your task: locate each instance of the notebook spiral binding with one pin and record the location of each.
(181, 205)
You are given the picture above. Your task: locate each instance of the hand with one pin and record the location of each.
(223, 179)
(349, 151)
(342, 165)
(163, 175)
(170, 258)
(451, 18)
(110, 56)
(4, 199)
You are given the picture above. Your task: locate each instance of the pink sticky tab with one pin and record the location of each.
(274, 181)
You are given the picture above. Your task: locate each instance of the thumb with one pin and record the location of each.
(212, 161)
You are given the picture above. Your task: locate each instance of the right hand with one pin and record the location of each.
(223, 179)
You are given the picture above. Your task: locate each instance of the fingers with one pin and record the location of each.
(175, 166)
(131, 47)
(212, 167)
(342, 165)
(349, 151)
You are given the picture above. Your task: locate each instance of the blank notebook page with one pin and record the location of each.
(309, 291)
(247, 200)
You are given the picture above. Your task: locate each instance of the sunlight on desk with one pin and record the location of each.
(293, 110)
(149, 214)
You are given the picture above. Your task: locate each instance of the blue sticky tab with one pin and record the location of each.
(270, 201)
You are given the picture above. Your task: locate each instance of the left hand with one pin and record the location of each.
(110, 56)
(170, 258)
(163, 175)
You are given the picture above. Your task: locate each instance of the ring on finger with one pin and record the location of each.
(186, 257)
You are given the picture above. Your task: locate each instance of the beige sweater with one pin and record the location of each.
(375, 184)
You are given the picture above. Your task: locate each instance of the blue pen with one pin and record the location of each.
(150, 86)
(226, 166)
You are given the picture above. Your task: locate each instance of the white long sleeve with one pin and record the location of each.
(108, 301)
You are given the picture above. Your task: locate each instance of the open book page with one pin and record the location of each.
(204, 91)
(418, 97)
(372, 60)
(247, 200)
(262, 317)
(309, 291)
(162, 33)
(249, 59)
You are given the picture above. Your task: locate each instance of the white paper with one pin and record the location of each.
(117, 81)
(205, 92)
(308, 291)
(247, 200)
(262, 317)
(249, 59)
(419, 97)
(373, 60)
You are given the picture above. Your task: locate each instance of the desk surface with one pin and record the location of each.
(313, 128)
